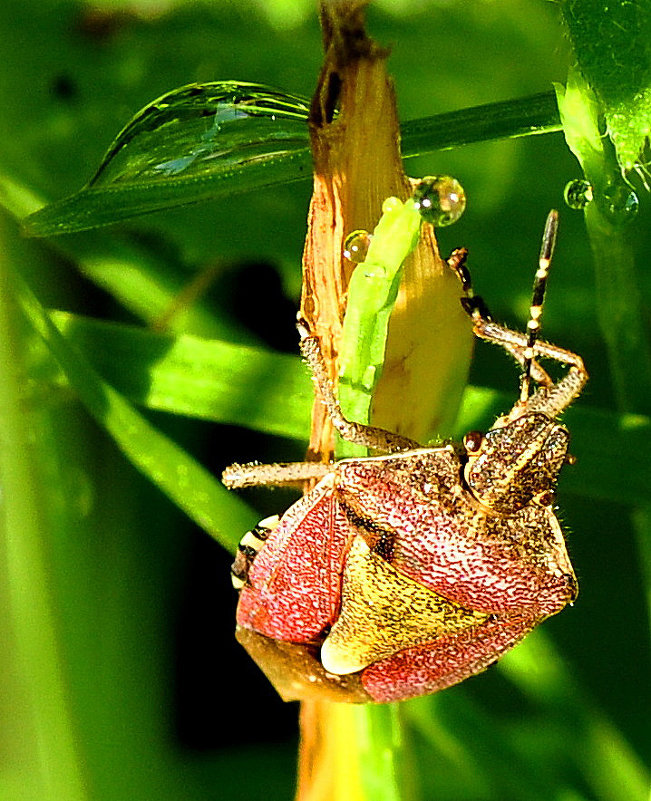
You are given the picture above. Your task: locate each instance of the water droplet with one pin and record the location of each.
(620, 203)
(578, 193)
(198, 129)
(390, 204)
(440, 199)
(356, 246)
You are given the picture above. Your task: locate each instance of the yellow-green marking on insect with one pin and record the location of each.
(372, 292)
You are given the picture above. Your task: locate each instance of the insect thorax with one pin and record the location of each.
(517, 461)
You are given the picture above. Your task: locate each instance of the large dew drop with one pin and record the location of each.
(440, 199)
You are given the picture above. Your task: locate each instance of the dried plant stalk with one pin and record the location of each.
(357, 164)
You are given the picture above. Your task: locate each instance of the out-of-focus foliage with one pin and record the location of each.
(120, 679)
(612, 43)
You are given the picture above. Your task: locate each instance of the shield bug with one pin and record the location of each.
(401, 574)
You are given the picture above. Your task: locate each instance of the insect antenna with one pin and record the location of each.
(537, 300)
(473, 305)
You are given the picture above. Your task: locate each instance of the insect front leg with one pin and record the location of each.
(550, 398)
(368, 436)
(274, 475)
(476, 308)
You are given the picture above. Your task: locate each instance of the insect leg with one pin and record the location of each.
(553, 398)
(369, 436)
(252, 475)
(479, 313)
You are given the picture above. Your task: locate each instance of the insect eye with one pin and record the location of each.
(472, 441)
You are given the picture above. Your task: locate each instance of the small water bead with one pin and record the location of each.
(356, 246)
(621, 204)
(578, 193)
(390, 203)
(440, 199)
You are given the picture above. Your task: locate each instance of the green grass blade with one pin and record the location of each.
(207, 379)
(270, 392)
(141, 280)
(177, 474)
(600, 752)
(508, 119)
(167, 157)
(41, 755)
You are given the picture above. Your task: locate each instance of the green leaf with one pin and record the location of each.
(203, 378)
(612, 44)
(270, 392)
(372, 292)
(615, 206)
(176, 473)
(205, 141)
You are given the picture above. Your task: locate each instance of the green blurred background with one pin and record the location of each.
(139, 685)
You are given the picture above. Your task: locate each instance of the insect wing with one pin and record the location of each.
(441, 663)
(436, 535)
(294, 584)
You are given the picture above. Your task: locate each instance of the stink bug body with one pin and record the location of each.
(402, 574)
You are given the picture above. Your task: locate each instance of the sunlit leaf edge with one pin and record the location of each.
(94, 207)
(270, 392)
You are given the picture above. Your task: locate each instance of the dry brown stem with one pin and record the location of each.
(357, 164)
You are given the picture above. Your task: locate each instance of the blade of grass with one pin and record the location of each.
(177, 474)
(202, 378)
(606, 760)
(40, 725)
(270, 392)
(96, 205)
(143, 282)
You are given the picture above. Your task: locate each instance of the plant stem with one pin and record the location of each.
(524, 116)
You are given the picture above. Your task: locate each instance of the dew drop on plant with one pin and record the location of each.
(356, 246)
(620, 203)
(390, 204)
(202, 129)
(440, 199)
(578, 193)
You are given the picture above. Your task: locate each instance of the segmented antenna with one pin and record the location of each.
(537, 300)
(472, 304)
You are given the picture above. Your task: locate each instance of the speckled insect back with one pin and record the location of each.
(402, 574)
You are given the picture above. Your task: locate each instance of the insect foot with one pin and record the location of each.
(401, 574)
